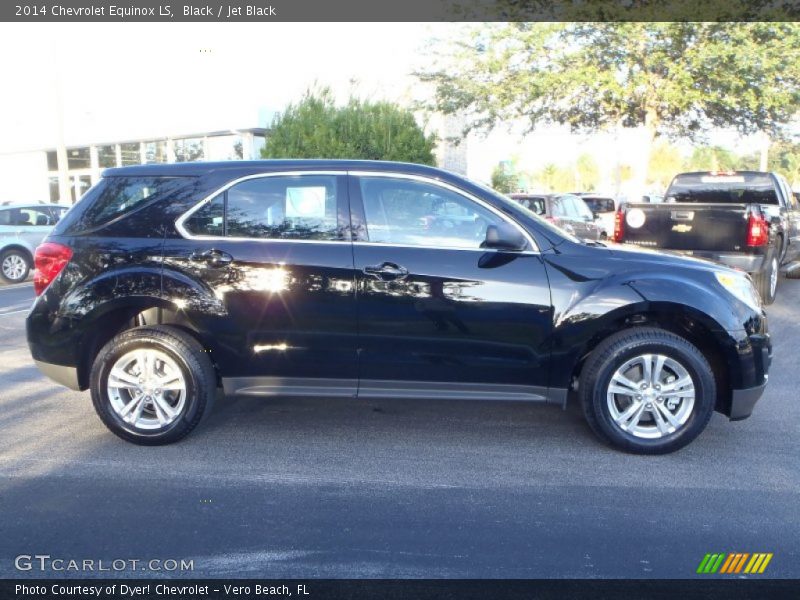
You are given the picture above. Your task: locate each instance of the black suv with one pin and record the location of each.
(376, 280)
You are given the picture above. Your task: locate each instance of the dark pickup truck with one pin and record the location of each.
(748, 220)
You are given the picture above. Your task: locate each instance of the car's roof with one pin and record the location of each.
(200, 168)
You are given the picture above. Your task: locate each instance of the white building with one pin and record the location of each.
(38, 176)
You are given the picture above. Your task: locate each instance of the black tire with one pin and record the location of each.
(191, 359)
(793, 270)
(613, 353)
(766, 281)
(21, 266)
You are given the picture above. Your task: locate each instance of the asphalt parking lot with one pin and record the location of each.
(346, 488)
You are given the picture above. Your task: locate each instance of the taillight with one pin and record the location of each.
(50, 259)
(757, 230)
(619, 226)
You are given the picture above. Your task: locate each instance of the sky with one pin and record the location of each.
(119, 81)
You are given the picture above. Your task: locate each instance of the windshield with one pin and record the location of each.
(729, 188)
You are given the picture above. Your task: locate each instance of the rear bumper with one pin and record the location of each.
(66, 376)
(749, 263)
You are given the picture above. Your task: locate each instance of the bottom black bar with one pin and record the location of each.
(388, 589)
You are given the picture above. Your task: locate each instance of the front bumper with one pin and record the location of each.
(743, 400)
(749, 263)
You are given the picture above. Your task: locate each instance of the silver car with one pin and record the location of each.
(22, 228)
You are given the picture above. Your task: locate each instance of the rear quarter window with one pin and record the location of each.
(114, 197)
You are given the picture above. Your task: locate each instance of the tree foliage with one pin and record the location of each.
(315, 127)
(674, 78)
(504, 180)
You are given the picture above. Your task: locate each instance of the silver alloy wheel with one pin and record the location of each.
(651, 396)
(14, 266)
(773, 278)
(147, 389)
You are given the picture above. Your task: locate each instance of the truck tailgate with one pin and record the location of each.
(690, 226)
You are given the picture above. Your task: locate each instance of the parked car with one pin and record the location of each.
(22, 228)
(748, 220)
(301, 278)
(603, 208)
(567, 211)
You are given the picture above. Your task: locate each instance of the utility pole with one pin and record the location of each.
(64, 195)
(765, 142)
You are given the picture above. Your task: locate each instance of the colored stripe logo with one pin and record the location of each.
(734, 562)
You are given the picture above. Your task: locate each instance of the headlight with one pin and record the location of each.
(741, 287)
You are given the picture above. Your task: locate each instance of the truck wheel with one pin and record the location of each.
(152, 385)
(767, 280)
(793, 270)
(14, 266)
(647, 391)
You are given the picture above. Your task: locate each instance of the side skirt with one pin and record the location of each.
(427, 390)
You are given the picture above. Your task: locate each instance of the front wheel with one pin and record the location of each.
(647, 391)
(152, 385)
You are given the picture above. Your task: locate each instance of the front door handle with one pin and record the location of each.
(387, 271)
(213, 258)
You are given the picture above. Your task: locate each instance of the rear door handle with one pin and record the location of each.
(213, 257)
(387, 271)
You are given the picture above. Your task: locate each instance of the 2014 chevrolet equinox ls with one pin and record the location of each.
(376, 280)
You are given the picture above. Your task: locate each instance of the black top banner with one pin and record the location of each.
(400, 10)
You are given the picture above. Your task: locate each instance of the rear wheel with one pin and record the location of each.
(14, 266)
(152, 385)
(647, 391)
(767, 280)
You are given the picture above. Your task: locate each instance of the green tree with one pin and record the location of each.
(504, 180)
(315, 127)
(668, 78)
(555, 178)
(665, 162)
(785, 158)
(587, 174)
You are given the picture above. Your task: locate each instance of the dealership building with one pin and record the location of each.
(39, 176)
(44, 179)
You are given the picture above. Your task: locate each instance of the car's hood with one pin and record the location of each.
(638, 253)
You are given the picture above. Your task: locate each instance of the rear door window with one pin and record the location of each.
(294, 207)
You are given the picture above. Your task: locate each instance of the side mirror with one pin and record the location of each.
(504, 237)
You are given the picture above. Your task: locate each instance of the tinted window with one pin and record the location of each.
(401, 211)
(300, 208)
(737, 188)
(209, 219)
(115, 196)
(5, 217)
(535, 204)
(599, 205)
